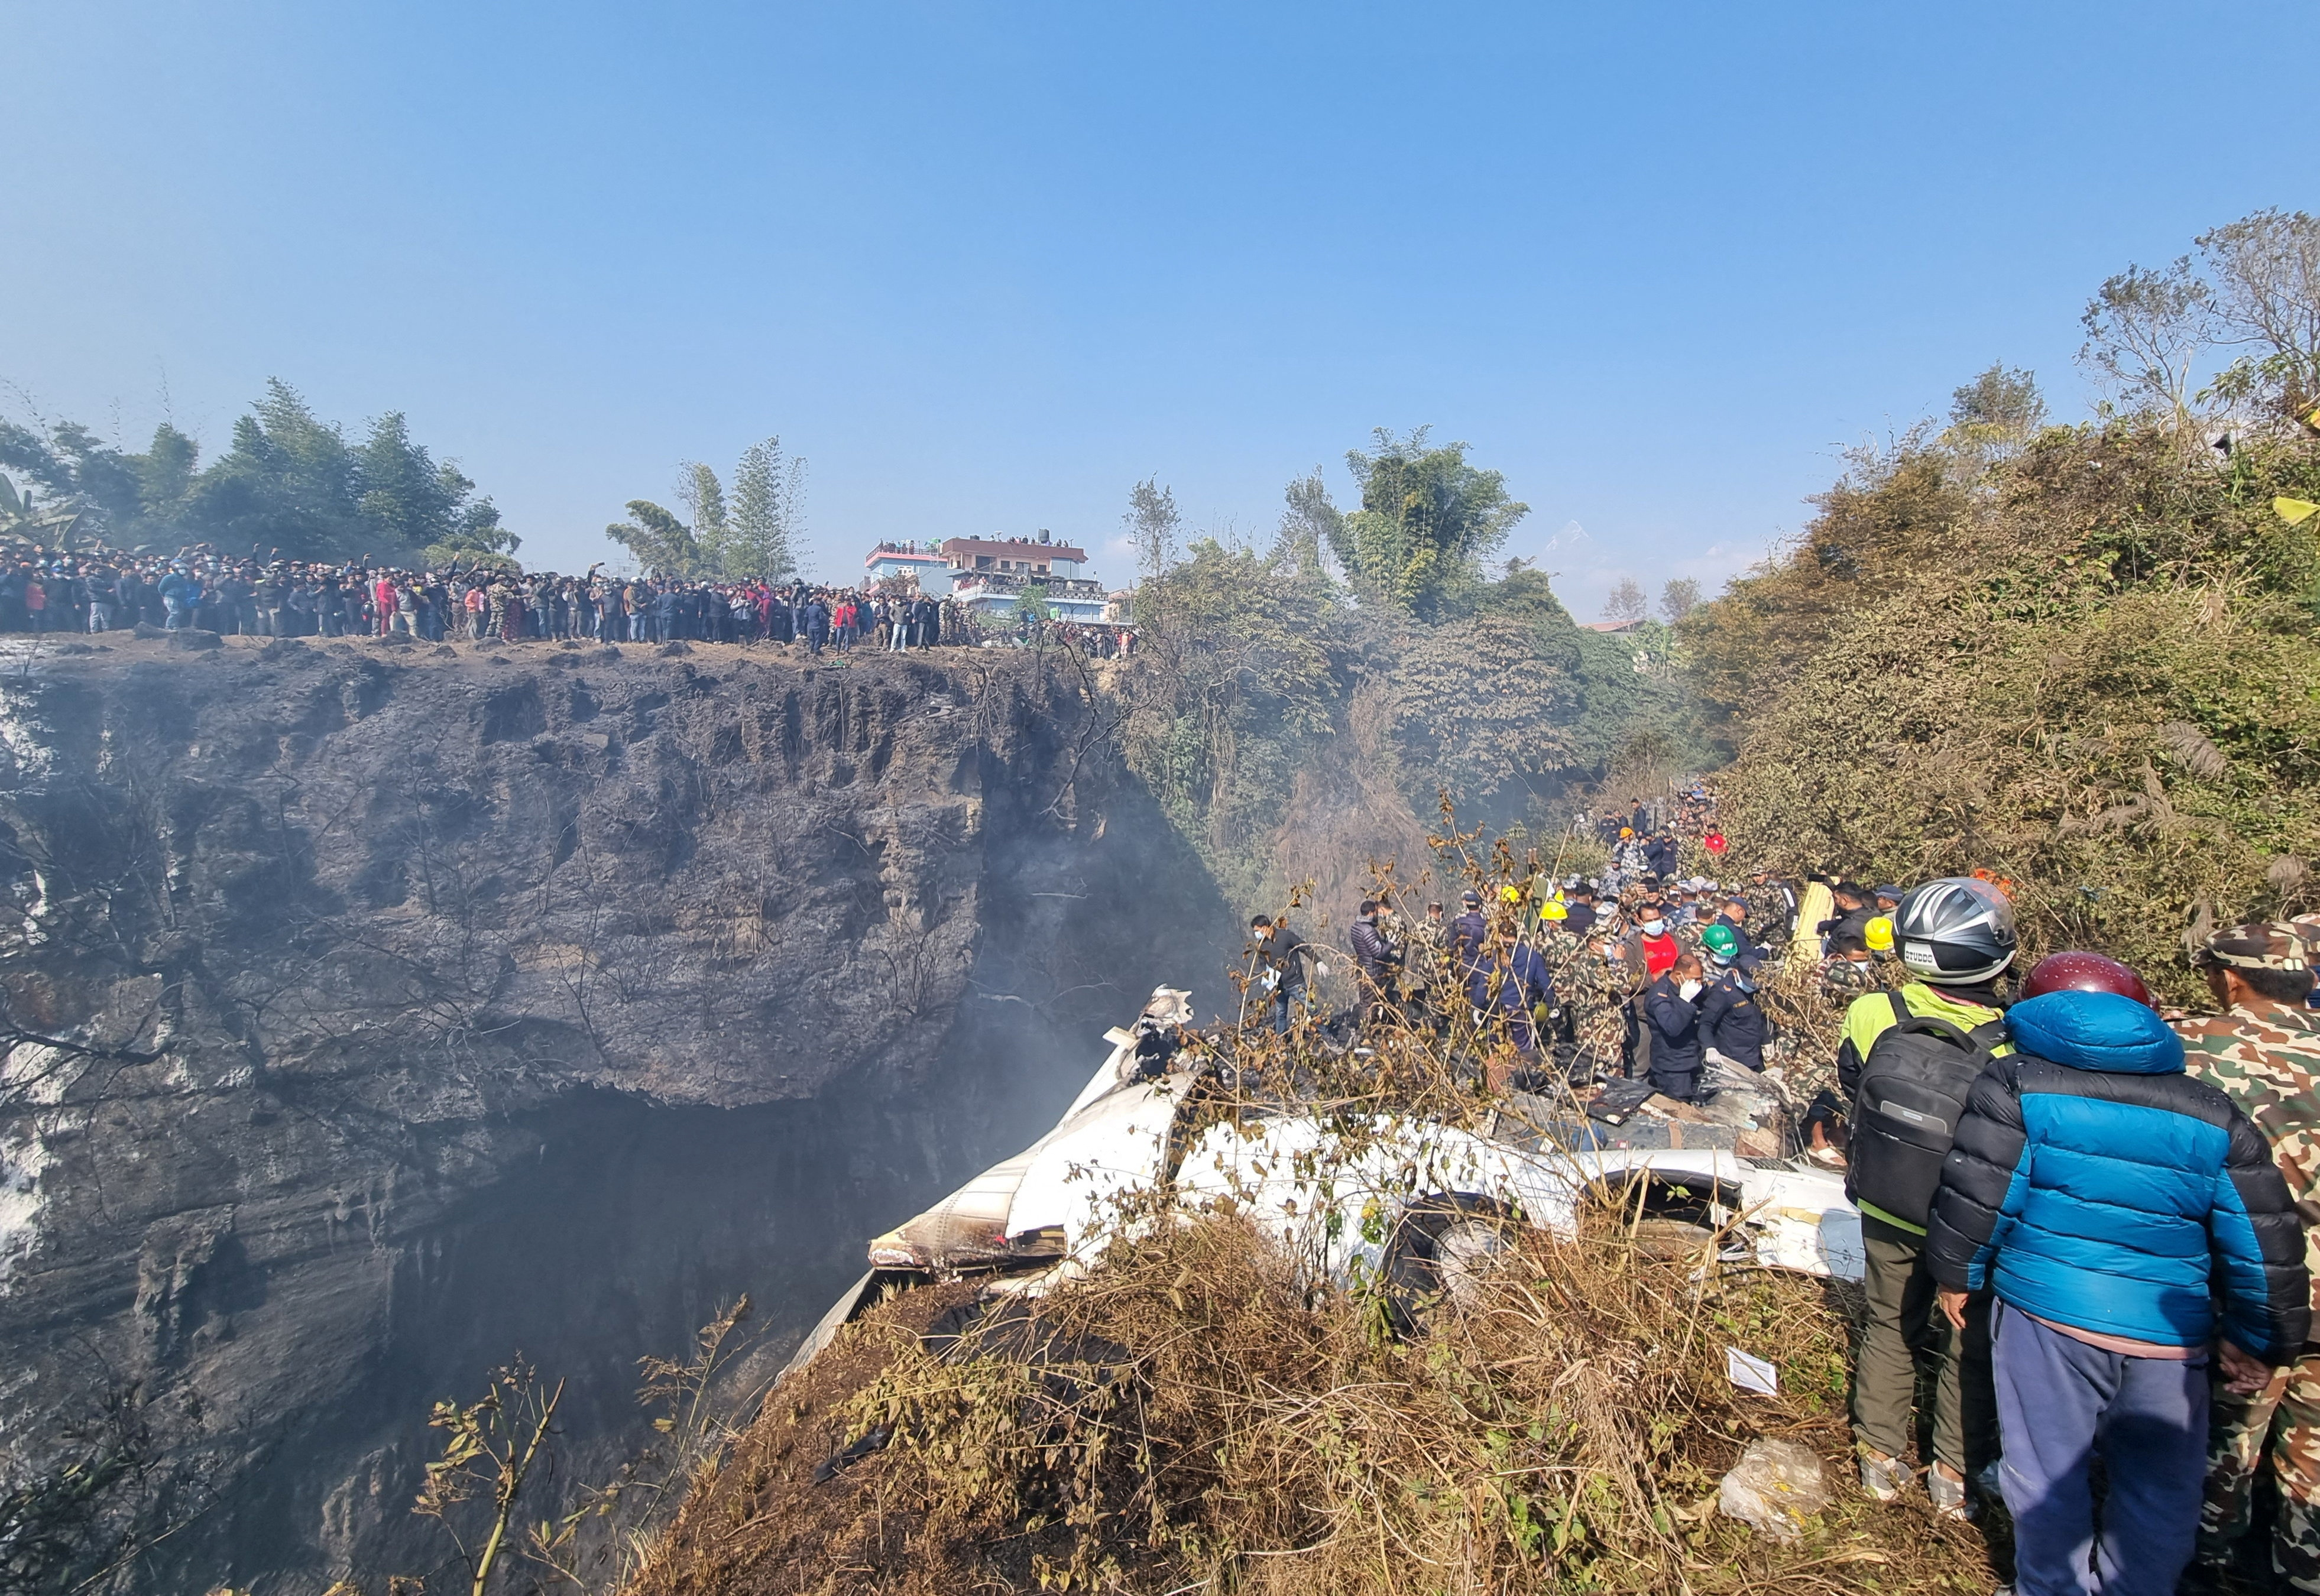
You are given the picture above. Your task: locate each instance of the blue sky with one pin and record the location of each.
(988, 264)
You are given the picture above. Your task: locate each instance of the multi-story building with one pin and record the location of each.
(988, 574)
(919, 560)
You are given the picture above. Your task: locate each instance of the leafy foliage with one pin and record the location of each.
(1276, 717)
(661, 542)
(2089, 670)
(768, 513)
(1428, 522)
(291, 482)
(751, 535)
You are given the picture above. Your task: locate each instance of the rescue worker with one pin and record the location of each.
(1848, 971)
(1957, 936)
(1877, 936)
(1854, 910)
(1580, 914)
(1671, 1011)
(1282, 958)
(1651, 946)
(1426, 962)
(1470, 964)
(2263, 1052)
(1593, 990)
(1375, 961)
(1771, 905)
(1733, 1025)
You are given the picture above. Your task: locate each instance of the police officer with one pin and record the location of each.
(1732, 1024)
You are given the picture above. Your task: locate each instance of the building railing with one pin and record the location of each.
(1009, 581)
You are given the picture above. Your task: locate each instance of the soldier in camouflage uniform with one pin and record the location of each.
(1770, 912)
(1426, 966)
(1848, 971)
(2265, 1053)
(1593, 986)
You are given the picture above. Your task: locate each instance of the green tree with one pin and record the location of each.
(1428, 522)
(288, 483)
(768, 513)
(130, 501)
(1310, 522)
(1153, 526)
(661, 543)
(703, 498)
(1678, 598)
(1483, 707)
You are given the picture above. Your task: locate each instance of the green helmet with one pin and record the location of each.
(1721, 940)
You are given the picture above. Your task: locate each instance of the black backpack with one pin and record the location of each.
(1906, 1107)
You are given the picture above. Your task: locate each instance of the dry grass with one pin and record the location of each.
(1189, 1417)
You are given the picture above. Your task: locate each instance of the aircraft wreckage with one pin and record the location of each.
(1415, 1197)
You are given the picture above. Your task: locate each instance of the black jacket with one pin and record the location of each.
(1732, 1022)
(1372, 953)
(1674, 1025)
(1283, 950)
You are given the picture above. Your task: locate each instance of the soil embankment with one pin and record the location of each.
(437, 1004)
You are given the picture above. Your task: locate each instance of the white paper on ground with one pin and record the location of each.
(1751, 1374)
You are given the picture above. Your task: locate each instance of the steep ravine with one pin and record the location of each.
(445, 1007)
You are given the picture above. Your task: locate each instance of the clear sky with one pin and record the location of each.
(987, 265)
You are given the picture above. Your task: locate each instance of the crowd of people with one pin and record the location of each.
(2084, 1219)
(103, 590)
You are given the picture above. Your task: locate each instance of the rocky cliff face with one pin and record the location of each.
(410, 1010)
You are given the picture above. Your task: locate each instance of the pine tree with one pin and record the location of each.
(768, 513)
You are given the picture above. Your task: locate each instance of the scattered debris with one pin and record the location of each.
(1774, 1488)
(1750, 1372)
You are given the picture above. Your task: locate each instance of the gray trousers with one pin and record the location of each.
(1904, 1327)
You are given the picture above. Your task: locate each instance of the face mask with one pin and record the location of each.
(1654, 927)
(1689, 990)
(1743, 983)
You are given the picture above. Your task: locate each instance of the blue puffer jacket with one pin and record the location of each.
(2093, 1183)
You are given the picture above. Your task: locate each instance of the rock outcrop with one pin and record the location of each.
(379, 1014)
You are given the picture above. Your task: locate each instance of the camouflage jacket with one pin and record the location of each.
(1842, 980)
(2270, 1065)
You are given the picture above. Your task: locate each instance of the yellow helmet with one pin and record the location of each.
(1553, 908)
(1625, 832)
(1878, 934)
(1512, 895)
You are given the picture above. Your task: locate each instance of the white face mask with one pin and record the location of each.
(1654, 927)
(1689, 990)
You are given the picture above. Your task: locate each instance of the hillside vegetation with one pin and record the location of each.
(1303, 708)
(2086, 666)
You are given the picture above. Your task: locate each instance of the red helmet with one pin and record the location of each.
(2085, 972)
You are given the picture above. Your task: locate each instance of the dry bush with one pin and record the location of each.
(1190, 1418)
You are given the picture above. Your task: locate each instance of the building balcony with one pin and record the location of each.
(1007, 584)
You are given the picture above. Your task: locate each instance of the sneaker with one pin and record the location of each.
(1948, 1496)
(1884, 1477)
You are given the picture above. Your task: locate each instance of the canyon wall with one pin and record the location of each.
(382, 1012)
